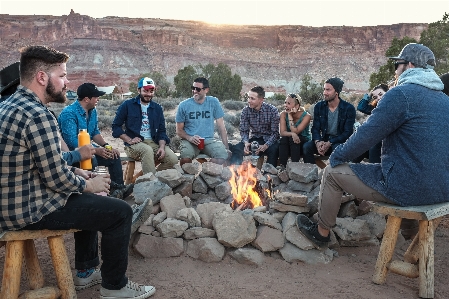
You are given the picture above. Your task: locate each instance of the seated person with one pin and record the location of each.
(145, 135)
(294, 127)
(9, 81)
(259, 122)
(83, 115)
(195, 120)
(366, 105)
(333, 122)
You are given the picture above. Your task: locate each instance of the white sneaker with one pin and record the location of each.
(84, 283)
(131, 290)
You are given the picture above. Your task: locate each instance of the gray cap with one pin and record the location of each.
(418, 54)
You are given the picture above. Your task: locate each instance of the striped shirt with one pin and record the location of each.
(35, 180)
(263, 123)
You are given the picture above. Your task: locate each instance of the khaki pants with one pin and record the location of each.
(145, 152)
(334, 182)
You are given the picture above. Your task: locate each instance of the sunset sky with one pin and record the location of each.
(300, 12)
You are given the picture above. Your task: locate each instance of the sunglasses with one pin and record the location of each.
(198, 89)
(397, 63)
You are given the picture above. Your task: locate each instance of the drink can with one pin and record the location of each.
(108, 147)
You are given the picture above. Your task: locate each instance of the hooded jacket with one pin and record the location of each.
(412, 121)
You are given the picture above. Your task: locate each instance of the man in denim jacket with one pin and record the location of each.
(145, 135)
(414, 168)
(333, 122)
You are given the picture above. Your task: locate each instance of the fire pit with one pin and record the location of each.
(247, 191)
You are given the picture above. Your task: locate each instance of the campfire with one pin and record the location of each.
(247, 191)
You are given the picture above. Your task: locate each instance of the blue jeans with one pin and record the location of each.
(114, 167)
(272, 152)
(310, 150)
(83, 211)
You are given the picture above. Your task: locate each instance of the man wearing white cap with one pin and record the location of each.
(144, 134)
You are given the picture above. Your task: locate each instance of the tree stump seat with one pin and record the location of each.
(419, 257)
(20, 245)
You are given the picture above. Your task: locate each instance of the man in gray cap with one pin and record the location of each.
(333, 122)
(413, 131)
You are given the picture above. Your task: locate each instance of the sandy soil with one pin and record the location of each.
(347, 276)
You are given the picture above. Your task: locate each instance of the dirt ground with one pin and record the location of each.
(347, 276)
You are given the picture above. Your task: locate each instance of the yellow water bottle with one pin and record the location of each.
(84, 139)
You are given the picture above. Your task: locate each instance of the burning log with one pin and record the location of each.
(247, 191)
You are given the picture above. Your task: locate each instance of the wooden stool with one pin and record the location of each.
(129, 176)
(20, 244)
(418, 259)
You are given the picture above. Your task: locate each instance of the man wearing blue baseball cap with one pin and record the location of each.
(144, 132)
(413, 131)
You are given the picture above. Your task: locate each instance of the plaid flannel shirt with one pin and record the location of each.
(263, 123)
(35, 180)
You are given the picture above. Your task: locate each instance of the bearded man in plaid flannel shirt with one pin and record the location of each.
(40, 191)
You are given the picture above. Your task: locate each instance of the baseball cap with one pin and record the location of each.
(146, 83)
(9, 76)
(88, 90)
(418, 54)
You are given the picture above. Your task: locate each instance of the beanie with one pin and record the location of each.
(336, 83)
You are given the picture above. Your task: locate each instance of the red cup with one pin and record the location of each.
(201, 144)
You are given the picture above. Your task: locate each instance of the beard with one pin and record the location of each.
(55, 96)
(330, 99)
(146, 99)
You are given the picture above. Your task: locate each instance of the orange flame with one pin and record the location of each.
(243, 185)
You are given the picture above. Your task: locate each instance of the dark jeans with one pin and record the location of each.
(92, 213)
(114, 166)
(272, 152)
(288, 148)
(373, 154)
(310, 151)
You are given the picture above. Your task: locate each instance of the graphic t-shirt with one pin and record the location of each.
(199, 119)
(145, 129)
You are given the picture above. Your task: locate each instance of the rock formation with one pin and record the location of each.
(113, 50)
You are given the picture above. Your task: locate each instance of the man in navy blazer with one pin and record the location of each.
(414, 168)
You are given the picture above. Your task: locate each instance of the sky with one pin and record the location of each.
(245, 12)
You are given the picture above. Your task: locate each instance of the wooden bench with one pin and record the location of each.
(419, 257)
(20, 245)
(129, 176)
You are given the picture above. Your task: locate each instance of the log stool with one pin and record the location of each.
(20, 244)
(129, 172)
(418, 259)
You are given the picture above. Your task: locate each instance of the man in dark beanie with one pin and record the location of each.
(333, 122)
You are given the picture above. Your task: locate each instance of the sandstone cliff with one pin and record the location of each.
(115, 50)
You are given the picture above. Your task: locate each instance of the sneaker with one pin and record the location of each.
(84, 283)
(131, 290)
(309, 229)
(120, 191)
(140, 214)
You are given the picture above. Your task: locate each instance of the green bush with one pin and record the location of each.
(232, 119)
(233, 105)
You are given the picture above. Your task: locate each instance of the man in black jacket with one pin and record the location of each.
(333, 122)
